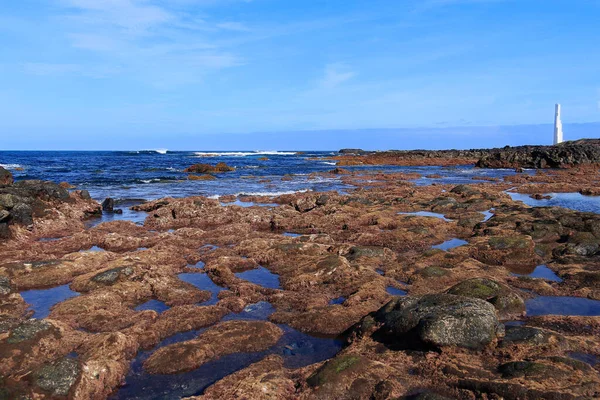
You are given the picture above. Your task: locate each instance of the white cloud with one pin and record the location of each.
(163, 44)
(335, 75)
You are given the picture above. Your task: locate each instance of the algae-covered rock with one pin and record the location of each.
(506, 301)
(332, 368)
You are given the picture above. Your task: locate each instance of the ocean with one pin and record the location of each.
(151, 174)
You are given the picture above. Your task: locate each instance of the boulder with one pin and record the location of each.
(441, 320)
(108, 205)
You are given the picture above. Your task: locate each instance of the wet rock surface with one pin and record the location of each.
(141, 304)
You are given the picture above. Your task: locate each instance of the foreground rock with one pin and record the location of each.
(438, 320)
(42, 208)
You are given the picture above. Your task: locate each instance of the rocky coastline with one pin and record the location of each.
(579, 153)
(433, 292)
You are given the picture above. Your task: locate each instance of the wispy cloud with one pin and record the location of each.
(161, 43)
(336, 74)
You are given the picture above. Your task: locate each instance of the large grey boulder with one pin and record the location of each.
(441, 320)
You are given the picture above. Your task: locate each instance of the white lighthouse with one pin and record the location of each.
(558, 132)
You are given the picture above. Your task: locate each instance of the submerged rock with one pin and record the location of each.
(209, 169)
(225, 338)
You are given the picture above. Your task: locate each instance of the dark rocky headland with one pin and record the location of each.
(585, 152)
(432, 292)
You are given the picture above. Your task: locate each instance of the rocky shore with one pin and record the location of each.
(585, 152)
(422, 292)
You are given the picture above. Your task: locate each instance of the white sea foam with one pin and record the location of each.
(245, 153)
(329, 163)
(161, 151)
(11, 166)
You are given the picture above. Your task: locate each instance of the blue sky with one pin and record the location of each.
(250, 74)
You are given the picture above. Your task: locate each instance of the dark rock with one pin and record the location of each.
(365, 251)
(112, 275)
(28, 330)
(339, 171)
(528, 335)
(4, 215)
(352, 151)
(84, 194)
(465, 190)
(322, 200)
(58, 377)
(5, 287)
(441, 320)
(118, 211)
(565, 155)
(528, 369)
(4, 231)
(42, 190)
(108, 205)
(539, 196)
(22, 214)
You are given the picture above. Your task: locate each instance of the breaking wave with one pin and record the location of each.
(245, 153)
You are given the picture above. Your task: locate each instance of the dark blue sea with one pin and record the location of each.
(150, 175)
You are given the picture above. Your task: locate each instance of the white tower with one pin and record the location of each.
(558, 132)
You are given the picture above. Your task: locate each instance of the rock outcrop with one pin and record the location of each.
(564, 155)
(209, 169)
